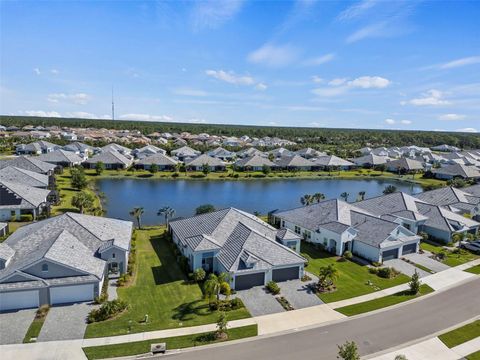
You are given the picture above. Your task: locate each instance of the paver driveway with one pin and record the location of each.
(423, 259)
(14, 325)
(405, 268)
(299, 294)
(259, 302)
(66, 322)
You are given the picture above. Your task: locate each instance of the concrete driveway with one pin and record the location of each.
(299, 294)
(14, 325)
(66, 322)
(404, 267)
(259, 302)
(425, 260)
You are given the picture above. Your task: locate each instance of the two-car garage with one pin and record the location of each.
(284, 274)
(14, 300)
(71, 294)
(247, 281)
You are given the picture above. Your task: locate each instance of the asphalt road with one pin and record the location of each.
(372, 333)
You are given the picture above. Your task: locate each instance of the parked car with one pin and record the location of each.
(472, 246)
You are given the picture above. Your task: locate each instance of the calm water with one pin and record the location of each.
(253, 195)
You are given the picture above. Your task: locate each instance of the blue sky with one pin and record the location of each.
(354, 64)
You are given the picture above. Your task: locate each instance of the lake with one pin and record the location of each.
(252, 195)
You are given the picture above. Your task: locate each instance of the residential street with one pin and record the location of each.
(372, 333)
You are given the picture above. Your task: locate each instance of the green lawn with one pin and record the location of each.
(474, 270)
(353, 277)
(160, 290)
(34, 330)
(383, 302)
(451, 258)
(461, 335)
(474, 356)
(178, 342)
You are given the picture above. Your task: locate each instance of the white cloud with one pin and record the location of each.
(274, 55)
(330, 92)
(214, 13)
(145, 117)
(372, 30)
(316, 124)
(430, 98)
(451, 117)
(390, 121)
(261, 87)
(190, 92)
(319, 60)
(461, 62)
(368, 82)
(197, 121)
(405, 122)
(82, 115)
(37, 71)
(337, 81)
(54, 71)
(356, 10)
(393, 122)
(231, 77)
(78, 98)
(468, 129)
(317, 79)
(42, 113)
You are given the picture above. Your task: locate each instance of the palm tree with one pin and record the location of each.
(389, 189)
(137, 213)
(306, 200)
(167, 212)
(327, 275)
(213, 285)
(361, 195)
(344, 195)
(318, 197)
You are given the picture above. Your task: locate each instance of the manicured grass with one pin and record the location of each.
(474, 356)
(461, 335)
(353, 278)
(451, 258)
(160, 290)
(474, 270)
(383, 302)
(178, 342)
(33, 330)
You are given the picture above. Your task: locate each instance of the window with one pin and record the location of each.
(13, 213)
(113, 255)
(283, 224)
(44, 267)
(297, 229)
(307, 234)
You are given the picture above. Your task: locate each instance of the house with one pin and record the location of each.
(418, 216)
(199, 162)
(3, 230)
(295, 162)
(17, 199)
(61, 158)
(251, 151)
(370, 160)
(330, 162)
(404, 165)
(118, 148)
(147, 151)
(445, 148)
(64, 259)
(35, 148)
(222, 154)
(25, 177)
(238, 243)
(339, 226)
(29, 163)
(254, 163)
(449, 172)
(309, 153)
(162, 161)
(80, 149)
(184, 153)
(280, 152)
(112, 160)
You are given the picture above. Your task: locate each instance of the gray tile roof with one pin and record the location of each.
(28, 163)
(254, 161)
(310, 153)
(185, 151)
(24, 177)
(109, 157)
(446, 196)
(458, 170)
(370, 159)
(473, 190)
(31, 197)
(251, 152)
(293, 161)
(405, 163)
(287, 234)
(61, 156)
(205, 159)
(332, 160)
(158, 159)
(78, 146)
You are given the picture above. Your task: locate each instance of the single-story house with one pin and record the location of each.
(29, 163)
(17, 199)
(238, 243)
(449, 172)
(251, 151)
(25, 177)
(222, 154)
(295, 162)
(309, 153)
(80, 148)
(196, 164)
(339, 226)
(370, 160)
(164, 162)
(147, 151)
(445, 148)
(62, 158)
(280, 152)
(329, 162)
(64, 259)
(118, 148)
(112, 159)
(36, 148)
(184, 153)
(254, 163)
(404, 165)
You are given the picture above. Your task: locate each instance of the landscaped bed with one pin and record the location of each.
(451, 258)
(160, 290)
(353, 280)
(461, 335)
(36, 325)
(178, 342)
(383, 301)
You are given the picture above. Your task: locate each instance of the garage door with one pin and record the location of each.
(409, 249)
(19, 300)
(285, 274)
(390, 254)
(71, 294)
(247, 281)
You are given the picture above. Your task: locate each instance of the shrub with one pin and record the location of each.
(414, 284)
(376, 264)
(387, 272)
(225, 305)
(175, 175)
(348, 255)
(108, 310)
(273, 287)
(199, 275)
(237, 303)
(26, 217)
(225, 289)
(373, 270)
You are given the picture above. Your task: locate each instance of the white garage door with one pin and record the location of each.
(71, 294)
(19, 300)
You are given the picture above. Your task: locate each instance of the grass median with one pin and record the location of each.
(383, 302)
(474, 270)
(461, 335)
(177, 342)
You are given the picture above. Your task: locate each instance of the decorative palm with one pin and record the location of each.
(167, 212)
(306, 199)
(137, 213)
(214, 283)
(389, 189)
(328, 275)
(318, 197)
(361, 195)
(345, 196)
